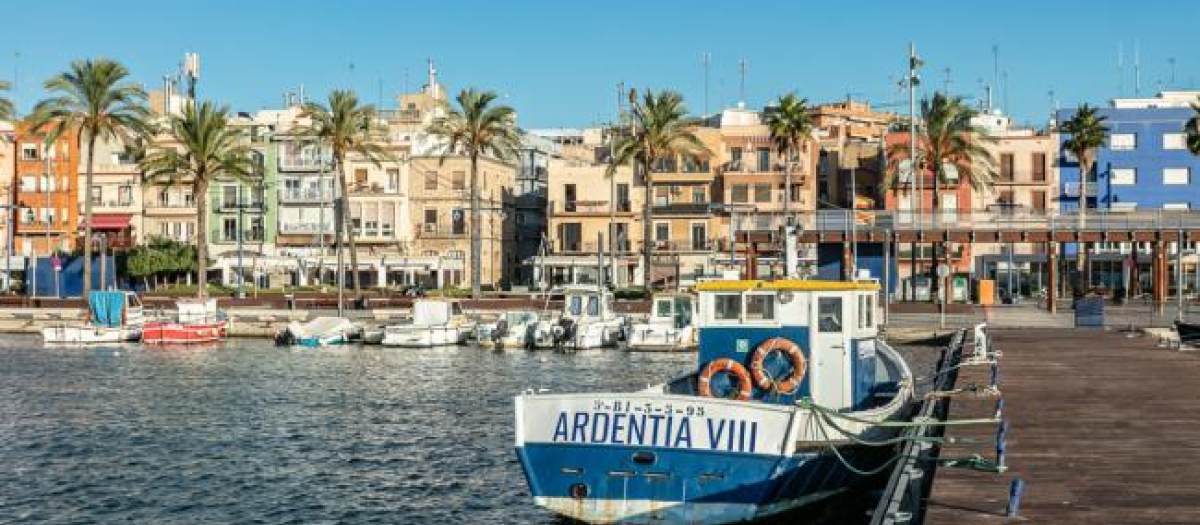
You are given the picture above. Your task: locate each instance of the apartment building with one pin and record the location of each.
(115, 193)
(588, 213)
(851, 136)
(44, 186)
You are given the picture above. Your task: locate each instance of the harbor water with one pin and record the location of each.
(248, 433)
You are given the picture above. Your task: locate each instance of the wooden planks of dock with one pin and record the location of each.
(1103, 428)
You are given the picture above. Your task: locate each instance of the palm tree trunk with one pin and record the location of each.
(200, 190)
(647, 227)
(476, 238)
(935, 210)
(348, 228)
(87, 216)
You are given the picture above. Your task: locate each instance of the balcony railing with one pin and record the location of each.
(313, 228)
(300, 195)
(225, 236)
(1071, 189)
(290, 163)
(232, 204)
(587, 206)
(682, 208)
(441, 231)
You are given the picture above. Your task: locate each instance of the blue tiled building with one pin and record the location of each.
(1145, 164)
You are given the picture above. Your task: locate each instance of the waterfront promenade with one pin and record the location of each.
(1104, 428)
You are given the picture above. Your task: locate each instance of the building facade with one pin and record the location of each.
(45, 188)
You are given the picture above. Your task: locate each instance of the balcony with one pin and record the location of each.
(401, 115)
(442, 231)
(233, 205)
(309, 228)
(1071, 189)
(120, 203)
(302, 163)
(682, 208)
(587, 207)
(221, 235)
(305, 195)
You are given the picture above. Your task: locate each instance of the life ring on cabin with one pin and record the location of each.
(734, 369)
(794, 356)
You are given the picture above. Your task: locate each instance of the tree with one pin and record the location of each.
(1086, 132)
(91, 100)
(948, 140)
(347, 127)
(790, 122)
(1192, 129)
(662, 130)
(475, 128)
(208, 148)
(6, 105)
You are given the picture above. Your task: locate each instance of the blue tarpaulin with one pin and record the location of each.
(106, 308)
(69, 279)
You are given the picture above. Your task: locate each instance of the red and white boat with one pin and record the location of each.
(197, 321)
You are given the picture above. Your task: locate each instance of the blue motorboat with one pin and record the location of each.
(789, 403)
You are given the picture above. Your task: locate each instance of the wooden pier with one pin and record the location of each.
(1102, 428)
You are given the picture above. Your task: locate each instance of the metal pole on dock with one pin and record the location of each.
(1179, 275)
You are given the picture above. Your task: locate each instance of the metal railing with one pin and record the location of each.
(290, 195)
(306, 227)
(1094, 220)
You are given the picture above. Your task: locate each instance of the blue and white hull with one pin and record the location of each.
(653, 458)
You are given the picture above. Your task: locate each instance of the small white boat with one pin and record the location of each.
(322, 331)
(113, 317)
(671, 326)
(587, 321)
(372, 335)
(514, 329)
(435, 322)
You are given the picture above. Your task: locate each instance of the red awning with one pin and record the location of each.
(108, 221)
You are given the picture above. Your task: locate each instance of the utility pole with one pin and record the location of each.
(742, 84)
(707, 58)
(913, 80)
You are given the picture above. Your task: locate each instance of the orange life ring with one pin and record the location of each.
(793, 354)
(734, 368)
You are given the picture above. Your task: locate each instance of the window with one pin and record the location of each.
(1124, 176)
(1006, 198)
(1006, 167)
(623, 203)
(360, 176)
(593, 306)
(28, 183)
(1039, 167)
(662, 231)
(1039, 201)
(431, 217)
(740, 193)
(662, 195)
(257, 231)
(29, 152)
(431, 181)
(762, 192)
(699, 195)
(48, 182)
(735, 158)
(569, 197)
(229, 228)
(458, 180)
(124, 195)
(662, 308)
(727, 307)
(1176, 206)
(393, 179)
(1175, 176)
(764, 159)
(1174, 141)
(575, 305)
(699, 235)
(97, 195)
(829, 314)
(1122, 141)
(458, 222)
(760, 307)
(229, 196)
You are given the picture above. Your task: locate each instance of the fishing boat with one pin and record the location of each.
(435, 322)
(792, 386)
(113, 317)
(196, 321)
(587, 321)
(513, 329)
(670, 326)
(321, 331)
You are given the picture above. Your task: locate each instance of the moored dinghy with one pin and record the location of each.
(435, 322)
(587, 321)
(671, 326)
(792, 378)
(113, 317)
(321, 331)
(513, 329)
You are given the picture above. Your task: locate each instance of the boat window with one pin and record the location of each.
(829, 314)
(760, 307)
(575, 305)
(683, 307)
(728, 306)
(593, 306)
(869, 314)
(662, 308)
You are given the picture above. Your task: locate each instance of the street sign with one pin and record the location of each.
(57, 263)
(943, 270)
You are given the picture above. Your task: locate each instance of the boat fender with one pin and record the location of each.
(794, 356)
(733, 368)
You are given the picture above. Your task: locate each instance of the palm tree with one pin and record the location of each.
(347, 127)
(208, 148)
(93, 101)
(1192, 129)
(790, 123)
(477, 128)
(662, 131)
(6, 105)
(1086, 132)
(948, 139)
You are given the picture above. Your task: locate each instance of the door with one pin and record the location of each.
(828, 371)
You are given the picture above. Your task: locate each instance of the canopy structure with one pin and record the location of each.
(108, 221)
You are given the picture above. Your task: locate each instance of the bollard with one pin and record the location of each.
(1001, 446)
(999, 408)
(1015, 491)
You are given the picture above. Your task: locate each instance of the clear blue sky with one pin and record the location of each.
(559, 63)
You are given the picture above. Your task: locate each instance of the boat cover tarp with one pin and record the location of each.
(320, 327)
(431, 313)
(106, 307)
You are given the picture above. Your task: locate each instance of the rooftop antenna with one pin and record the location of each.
(16, 83)
(1171, 61)
(1120, 68)
(379, 105)
(301, 99)
(1005, 108)
(946, 84)
(706, 59)
(995, 67)
(742, 86)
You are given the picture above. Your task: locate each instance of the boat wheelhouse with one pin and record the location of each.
(587, 321)
(791, 381)
(435, 322)
(670, 327)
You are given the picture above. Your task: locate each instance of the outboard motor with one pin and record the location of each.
(284, 338)
(564, 331)
(500, 330)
